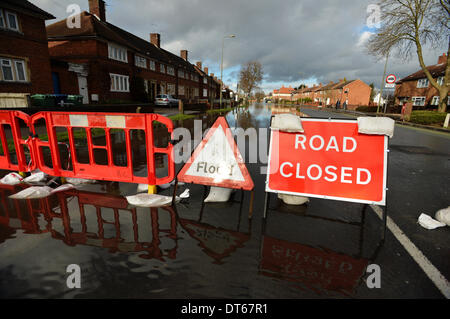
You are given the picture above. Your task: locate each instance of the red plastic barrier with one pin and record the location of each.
(107, 122)
(12, 118)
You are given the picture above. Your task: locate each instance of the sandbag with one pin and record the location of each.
(293, 199)
(33, 192)
(63, 188)
(428, 222)
(218, 195)
(443, 215)
(11, 179)
(79, 181)
(376, 126)
(35, 177)
(150, 200)
(287, 123)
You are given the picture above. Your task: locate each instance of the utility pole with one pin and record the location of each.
(382, 82)
(221, 66)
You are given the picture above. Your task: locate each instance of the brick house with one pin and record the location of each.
(416, 87)
(307, 93)
(283, 93)
(111, 64)
(24, 56)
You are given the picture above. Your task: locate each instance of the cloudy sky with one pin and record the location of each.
(297, 41)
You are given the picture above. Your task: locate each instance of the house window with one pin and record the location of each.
(440, 80)
(195, 92)
(152, 65)
(435, 100)
(422, 83)
(205, 92)
(170, 88)
(119, 83)
(170, 71)
(2, 19)
(418, 100)
(180, 90)
(20, 71)
(140, 61)
(118, 53)
(13, 70)
(205, 80)
(7, 70)
(11, 19)
(181, 74)
(162, 68)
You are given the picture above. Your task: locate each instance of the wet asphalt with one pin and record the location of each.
(213, 250)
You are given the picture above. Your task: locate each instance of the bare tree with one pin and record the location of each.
(409, 24)
(250, 76)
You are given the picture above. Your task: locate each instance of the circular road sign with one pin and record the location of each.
(391, 78)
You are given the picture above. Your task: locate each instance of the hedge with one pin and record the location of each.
(427, 117)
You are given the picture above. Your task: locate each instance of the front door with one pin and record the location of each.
(82, 85)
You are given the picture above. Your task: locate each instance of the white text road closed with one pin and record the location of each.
(217, 161)
(329, 160)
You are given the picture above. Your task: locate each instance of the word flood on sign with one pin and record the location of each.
(329, 160)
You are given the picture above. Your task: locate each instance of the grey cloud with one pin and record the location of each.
(294, 40)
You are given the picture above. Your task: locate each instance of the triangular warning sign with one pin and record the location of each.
(217, 161)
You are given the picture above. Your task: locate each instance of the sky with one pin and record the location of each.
(296, 41)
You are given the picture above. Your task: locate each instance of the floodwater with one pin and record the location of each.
(192, 250)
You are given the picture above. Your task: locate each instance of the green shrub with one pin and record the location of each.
(427, 117)
(366, 109)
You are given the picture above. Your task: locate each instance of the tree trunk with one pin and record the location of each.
(443, 97)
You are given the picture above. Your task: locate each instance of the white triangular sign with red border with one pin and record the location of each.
(217, 161)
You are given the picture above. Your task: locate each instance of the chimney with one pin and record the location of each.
(211, 75)
(205, 70)
(97, 7)
(199, 65)
(341, 80)
(184, 55)
(442, 59)
(155, 39)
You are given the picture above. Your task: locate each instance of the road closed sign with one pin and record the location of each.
(329, 160)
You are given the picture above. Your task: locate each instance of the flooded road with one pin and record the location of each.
(319, 250)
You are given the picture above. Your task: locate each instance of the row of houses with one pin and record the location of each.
(354, 93)
(414, 88)
(97, 60)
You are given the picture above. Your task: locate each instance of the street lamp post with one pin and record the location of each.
(221, 65)
(382, 82)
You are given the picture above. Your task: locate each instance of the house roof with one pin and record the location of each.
(27, 7)
(283, 90)
(91, 26)
(436, 70)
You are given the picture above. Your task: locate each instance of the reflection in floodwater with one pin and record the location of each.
(92, 219)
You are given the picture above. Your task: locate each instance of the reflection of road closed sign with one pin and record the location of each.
(329, 160)
(217, 161)
(390, 81)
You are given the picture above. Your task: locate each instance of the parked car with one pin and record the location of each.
(166, 100)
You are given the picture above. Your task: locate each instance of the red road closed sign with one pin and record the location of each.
(329, 160)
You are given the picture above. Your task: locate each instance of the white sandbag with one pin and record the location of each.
(287, 123)
(150, 200)
(376, 126)
(63, 188)
(79, 181)
(35, 177)
(428, 222)
(142, 188)
(293, 199)
(11, 179)
(218, 195)
(443, 215)
(33, 192)
(185, 194)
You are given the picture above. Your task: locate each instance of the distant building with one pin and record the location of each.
(24, 56)
(283, 93)
(416, 87)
